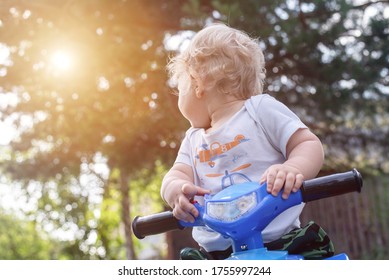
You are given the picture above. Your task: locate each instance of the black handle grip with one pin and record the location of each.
(154, 224)
(331, 185)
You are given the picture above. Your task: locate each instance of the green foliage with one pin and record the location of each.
(19, 240)
(109, 223)
(146, 199)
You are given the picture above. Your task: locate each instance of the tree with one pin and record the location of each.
(112, 103)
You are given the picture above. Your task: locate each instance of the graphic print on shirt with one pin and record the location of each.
(229, 177)
(217, 150)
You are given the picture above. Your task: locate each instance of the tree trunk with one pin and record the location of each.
(125, 195)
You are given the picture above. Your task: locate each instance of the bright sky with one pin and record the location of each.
(7, 133)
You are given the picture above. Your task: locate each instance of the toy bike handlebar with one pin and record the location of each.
(314, 189)
(331, 185)
(155, 224)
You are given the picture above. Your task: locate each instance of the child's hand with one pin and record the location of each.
(282, 175)
(183, 209)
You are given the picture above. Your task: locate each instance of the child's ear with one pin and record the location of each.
(199, 92)
(199, 89)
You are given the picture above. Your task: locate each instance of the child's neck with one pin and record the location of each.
(223, 112)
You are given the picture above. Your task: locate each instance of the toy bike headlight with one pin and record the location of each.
(231, 210)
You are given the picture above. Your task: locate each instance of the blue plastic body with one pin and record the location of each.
(245, 231)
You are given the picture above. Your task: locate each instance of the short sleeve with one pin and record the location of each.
(184, 153)
(278, 121)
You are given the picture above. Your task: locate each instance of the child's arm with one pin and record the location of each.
(305, 158)
(178, 189)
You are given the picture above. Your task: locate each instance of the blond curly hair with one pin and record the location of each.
(227, 60)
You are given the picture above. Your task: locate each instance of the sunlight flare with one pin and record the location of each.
(61, 60)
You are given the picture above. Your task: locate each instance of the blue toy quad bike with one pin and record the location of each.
(242, 211)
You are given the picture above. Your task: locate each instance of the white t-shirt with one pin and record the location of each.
(240, 151)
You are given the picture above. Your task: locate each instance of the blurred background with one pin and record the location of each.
(88, 124)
